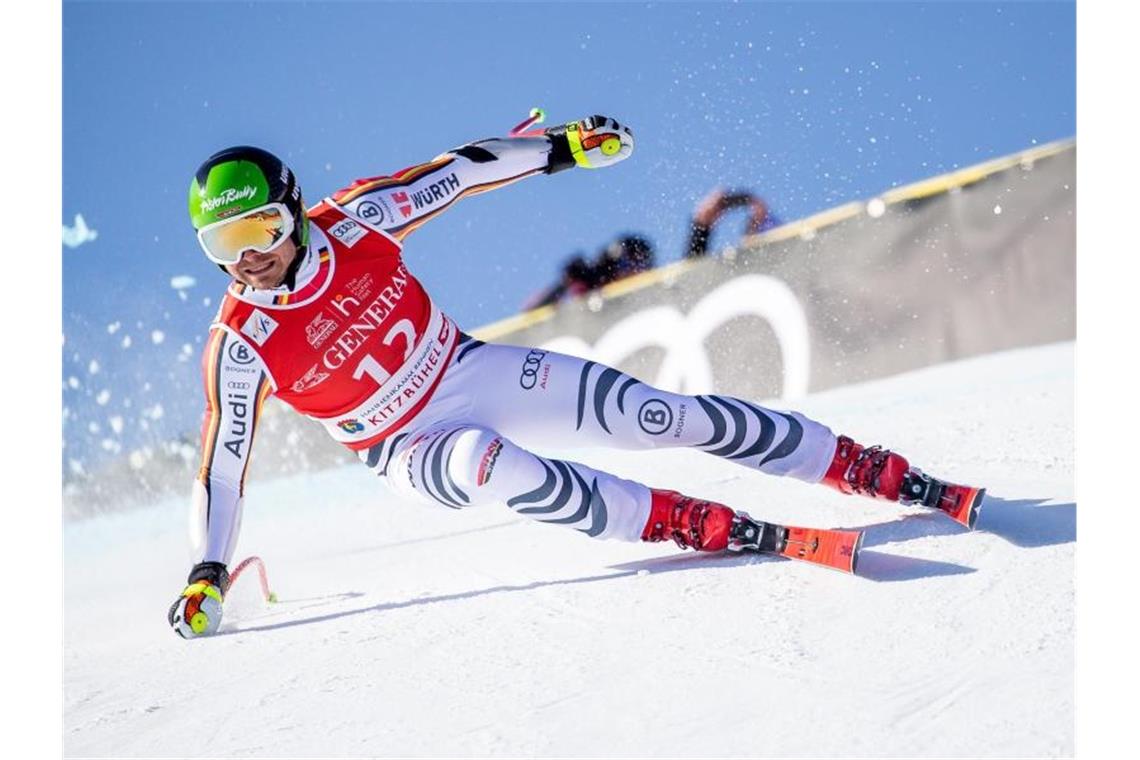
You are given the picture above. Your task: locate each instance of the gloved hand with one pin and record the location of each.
(198, 610)
(592, 143)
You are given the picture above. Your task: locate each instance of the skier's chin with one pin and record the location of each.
(263, 280)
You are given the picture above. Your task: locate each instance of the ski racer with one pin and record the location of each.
(324, 314)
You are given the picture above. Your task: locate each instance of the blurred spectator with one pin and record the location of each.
(709, 211)
(628, 254)
(577, 277)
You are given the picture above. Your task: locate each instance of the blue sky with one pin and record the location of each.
(810, 104)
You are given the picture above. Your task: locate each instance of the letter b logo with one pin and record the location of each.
(655, 416)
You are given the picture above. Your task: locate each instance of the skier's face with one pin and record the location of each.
(264, 269)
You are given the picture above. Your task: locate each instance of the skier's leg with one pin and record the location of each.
(459, 465)
(539, 396)
(542, 397)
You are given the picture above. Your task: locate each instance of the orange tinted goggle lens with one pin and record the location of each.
(259, 230)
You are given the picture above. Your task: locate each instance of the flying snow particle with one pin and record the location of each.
(116, 424)
(155, 412)
(73, 382)
(876, 208)
(93, 367)
(80, 233)
(997, 209)
(157, 336)
(126, 343)
(136, 459)
(103, 397)
(93, 428)
(113, 327)
(182, 282)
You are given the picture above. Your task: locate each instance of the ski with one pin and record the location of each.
(961, 503)
(837, 549)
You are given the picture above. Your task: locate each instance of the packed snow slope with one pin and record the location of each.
(406, 630)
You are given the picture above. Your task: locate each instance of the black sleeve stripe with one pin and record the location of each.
(476, 154)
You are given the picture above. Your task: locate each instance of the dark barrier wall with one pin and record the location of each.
(974, 262)
(977, 261)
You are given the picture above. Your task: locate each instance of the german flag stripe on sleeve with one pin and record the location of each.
(402, 177)
(211, 378)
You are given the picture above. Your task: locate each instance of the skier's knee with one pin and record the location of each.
(474, 451)
(487, 467)
(452, 465)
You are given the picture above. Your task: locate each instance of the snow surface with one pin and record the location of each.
(405, 630)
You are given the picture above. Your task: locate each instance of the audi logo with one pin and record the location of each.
(531, 363)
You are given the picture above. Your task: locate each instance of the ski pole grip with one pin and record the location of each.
(537, 116)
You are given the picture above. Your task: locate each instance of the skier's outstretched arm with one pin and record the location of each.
(404, 201)
(236, 384)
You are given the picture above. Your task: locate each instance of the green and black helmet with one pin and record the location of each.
(234, 183)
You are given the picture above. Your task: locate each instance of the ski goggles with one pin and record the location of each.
(261, 229)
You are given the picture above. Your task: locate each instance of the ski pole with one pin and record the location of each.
(537, 116)
(265, 592)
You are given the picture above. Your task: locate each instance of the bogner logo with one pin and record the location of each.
(655, 416)
(310, 379)
(259, 326)
(318, 331)
(228, 196)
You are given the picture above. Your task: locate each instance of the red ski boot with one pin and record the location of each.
(883, 474)
(708, 526)
(871, 470)
(702, 525)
